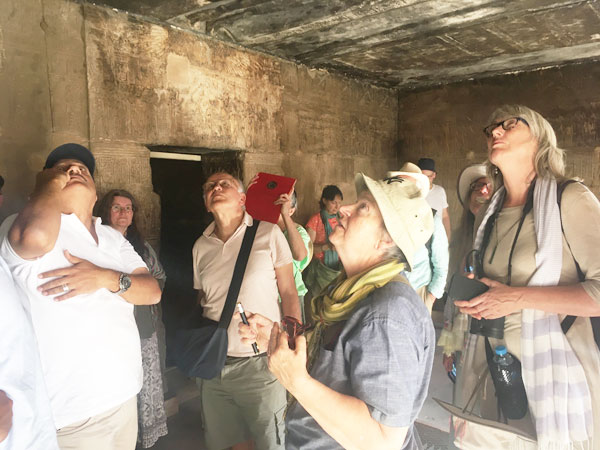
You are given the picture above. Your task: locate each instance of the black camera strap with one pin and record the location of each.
(527, 208)
(489, 226)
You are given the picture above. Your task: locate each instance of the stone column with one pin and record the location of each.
(126, 165)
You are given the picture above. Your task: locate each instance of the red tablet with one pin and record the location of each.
(264, 191)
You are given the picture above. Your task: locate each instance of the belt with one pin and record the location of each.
(239, 358)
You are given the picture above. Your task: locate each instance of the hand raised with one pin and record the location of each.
(252, 182)
(285, 200)
(53, 180)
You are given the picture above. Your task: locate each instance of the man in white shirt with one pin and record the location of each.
(81, 279)
(437, 195)
(245, 402)
(25, 416)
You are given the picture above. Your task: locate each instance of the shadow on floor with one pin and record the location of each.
(185, 430)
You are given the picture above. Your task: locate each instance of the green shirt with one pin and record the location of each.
(299, 266)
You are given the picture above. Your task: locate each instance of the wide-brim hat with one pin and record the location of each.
(412, 170)
(406, 214)
(466, 177)
(71, 151)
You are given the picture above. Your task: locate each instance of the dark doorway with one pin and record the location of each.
(183, 219)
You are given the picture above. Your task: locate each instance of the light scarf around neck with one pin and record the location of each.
(556, 386)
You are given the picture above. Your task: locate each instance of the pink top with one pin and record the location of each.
(316, 224)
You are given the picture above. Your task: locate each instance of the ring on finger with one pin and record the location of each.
(65, 287)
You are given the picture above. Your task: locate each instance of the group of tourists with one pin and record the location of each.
(336, 346)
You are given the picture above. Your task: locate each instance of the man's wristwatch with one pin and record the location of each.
(124, 283)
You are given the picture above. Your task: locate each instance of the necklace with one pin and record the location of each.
(498, 240)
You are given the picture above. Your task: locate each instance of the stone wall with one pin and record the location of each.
(446, 122)
(89, 74)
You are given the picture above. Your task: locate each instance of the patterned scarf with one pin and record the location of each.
(555, 382)
(338, 301)
(330, 257)
(340, 298)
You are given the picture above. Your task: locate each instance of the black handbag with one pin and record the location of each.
(201, 344)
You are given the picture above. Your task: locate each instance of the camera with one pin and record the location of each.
(463, 288)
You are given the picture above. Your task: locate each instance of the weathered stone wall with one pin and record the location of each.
(79, 72)
(332, 129)
(43, 87)
(162, 86)
(446, 122)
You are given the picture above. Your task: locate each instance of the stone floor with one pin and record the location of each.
(433, 423)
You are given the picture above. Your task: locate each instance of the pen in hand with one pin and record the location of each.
(245, 320)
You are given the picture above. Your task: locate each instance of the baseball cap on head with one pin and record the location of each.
(71, 151)
(426, 164)
(406, 214)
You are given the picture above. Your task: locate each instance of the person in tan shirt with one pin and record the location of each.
(523, 157)
(243, 406)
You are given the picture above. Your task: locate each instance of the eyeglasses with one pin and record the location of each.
(507, 124)
(479, 185)
(117, 209)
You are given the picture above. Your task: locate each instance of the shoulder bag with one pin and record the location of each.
(201, 345)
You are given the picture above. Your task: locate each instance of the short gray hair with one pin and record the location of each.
(241, 188)
(394, 252)
(294, 199)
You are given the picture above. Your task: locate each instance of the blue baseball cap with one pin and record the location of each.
(71, 151)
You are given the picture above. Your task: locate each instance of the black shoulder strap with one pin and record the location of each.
(238, 275)
(559, 192)
(569, 320)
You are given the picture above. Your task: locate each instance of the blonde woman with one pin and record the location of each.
(539, 259)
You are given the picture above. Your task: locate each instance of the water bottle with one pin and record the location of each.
(506, 374)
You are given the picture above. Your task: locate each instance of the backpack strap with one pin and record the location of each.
(569, 320)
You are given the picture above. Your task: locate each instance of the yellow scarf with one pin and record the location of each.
(337, 301)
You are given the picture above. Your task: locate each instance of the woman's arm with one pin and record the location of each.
(311, 233)
(580, 218)
(345, 418)
(501, 300)
(290, 306)
(154, 266)
(318, 247)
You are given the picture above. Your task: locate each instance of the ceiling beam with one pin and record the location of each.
(498, 65)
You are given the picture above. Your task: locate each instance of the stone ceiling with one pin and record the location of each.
(397, 43)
